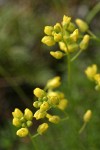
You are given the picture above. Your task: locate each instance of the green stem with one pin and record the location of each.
(75, 57)
(69, 71)
(83, 127)
(13, 84)
(33, 142)
(93, 13)
(93, 36)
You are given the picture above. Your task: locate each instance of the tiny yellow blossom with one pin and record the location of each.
(39, 115)
(22, 132)
(63, 47)
(87, 116)
(83, 26)
(48, 30)
(48, 40)
(62, 104)
(16, 122)
(57, 37)
(74, 36)
(57, 54)
(84, 43)
(17, 113)
(66, 21)
(73, 47)
(91, 71)
(28, 115)
(54, 119)
(53, 100)
(57, 28)
(45, 106)
(39, 92)
(53, 83)
(42, 128)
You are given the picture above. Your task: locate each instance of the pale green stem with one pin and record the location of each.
(93, 13)
(69, 71)
(75, 57)
(33, 142)
(66, 118)
(83, 127)
(13, 84)
(93, 36)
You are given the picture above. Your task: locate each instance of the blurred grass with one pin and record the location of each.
(27, 61)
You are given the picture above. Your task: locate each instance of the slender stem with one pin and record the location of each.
(93, 13)
(35, 135)
(13, 84)
(69, 71)
(93, 36)
(66, 118)
(83, 127)
(79, 52)
(33, 142)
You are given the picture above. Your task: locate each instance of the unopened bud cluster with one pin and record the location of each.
(69, 37)
(93, 75)
(22, 121)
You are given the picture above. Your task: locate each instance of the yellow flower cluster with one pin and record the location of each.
(68, 37)
(22, 120)
(92, 74)
(46, 99)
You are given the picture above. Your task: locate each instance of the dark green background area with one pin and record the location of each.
(25, 63)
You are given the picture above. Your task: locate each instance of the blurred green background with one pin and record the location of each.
(25, 63)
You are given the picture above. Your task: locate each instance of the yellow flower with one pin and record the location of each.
(48, 30)
(63, 47)
(73, 47)
(62, 104)
(57, 37)
(83, 26)
(42, 128)
(91, 71)
(54, 119)
(44, 107)
(57, 54)
(48, 40)
(66, 21)
(39, 115)
(87, 116)
(17, 113)
(74, 36)
(84, 43)
(28, 115)
(16, 122)
(53, 83)
(39, 92)
(53, 100)
(22, 132)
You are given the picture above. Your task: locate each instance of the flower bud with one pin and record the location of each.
(22, 132)
(66, 21)
(87, 116)
(74, 36)
(63, 46)
(72, 47)
(16, 122)
(71, 27)
(42, 128)
(45, 106)
(28, 115)
(53, 83)
(53, 100)
(83, 26)
(39, 92)
(39, 115)
(48, 30)
(84, 43)
(54, 119)
(17, 113)
(29, 123)
(62, 104)
(57, 28)
(91, 72)
(48, 40)
(57, 37)
(57, 54)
